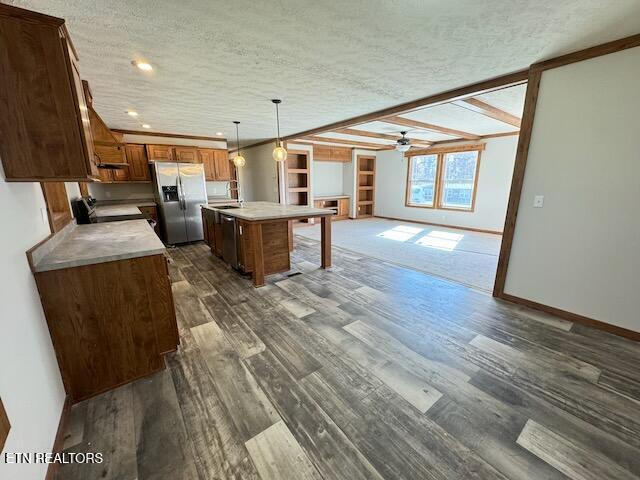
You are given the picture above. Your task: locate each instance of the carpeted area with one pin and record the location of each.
(463, 256)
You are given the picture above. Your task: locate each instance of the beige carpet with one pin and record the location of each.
(466, 257)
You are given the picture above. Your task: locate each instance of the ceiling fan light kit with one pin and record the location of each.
(403, 144)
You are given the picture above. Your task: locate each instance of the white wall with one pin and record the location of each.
(494, 183)
(259, 177)
(328, 178)
(30, 385)
(580, 252)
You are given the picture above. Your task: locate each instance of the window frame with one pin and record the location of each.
(439, 182)
(407, 193)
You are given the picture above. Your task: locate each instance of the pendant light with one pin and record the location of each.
(279, 153)
(238, 160)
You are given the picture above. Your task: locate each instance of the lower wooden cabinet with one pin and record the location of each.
(152, 213)
(110, 322)
(212, 232)
(340, 205)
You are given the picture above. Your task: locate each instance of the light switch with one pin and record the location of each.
(538, 201)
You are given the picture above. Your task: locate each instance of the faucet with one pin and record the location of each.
(237, 189)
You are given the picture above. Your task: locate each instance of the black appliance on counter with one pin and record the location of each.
(83, 209)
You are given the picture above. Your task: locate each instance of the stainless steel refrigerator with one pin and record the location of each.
(180, 189)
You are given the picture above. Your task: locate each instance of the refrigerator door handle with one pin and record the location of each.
(181, 197)
(178, 191)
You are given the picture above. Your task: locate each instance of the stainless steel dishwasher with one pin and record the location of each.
(229, 240)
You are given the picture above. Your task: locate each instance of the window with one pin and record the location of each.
(459, 180)
(423, 171)
(444, 178)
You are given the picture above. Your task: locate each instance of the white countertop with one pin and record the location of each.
(78, 245)
(126, 210)
(255, 211)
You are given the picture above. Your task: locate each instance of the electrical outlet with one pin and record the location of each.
(538, 201)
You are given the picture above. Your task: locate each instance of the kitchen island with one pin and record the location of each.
(257, 237)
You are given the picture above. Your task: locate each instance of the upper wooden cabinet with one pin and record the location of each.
(45, 133)
(160, 153)
(138, 163)
(222, 166)
(186, 154)
(327, 153)
(206, 156)
(216, 164)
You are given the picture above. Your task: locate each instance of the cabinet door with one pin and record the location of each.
(162, 153)
(207, 158)
(121, 175)
(138, 163)
(186, 154)
(105, 175)
(110, 153)
(343, 207)
(43, 119)
(83, 110)
(222, 167)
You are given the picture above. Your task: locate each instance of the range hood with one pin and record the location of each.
(112, 165)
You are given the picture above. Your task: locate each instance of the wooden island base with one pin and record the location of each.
(264, 245)
(268, 247)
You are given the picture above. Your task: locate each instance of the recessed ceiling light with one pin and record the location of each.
(132, 113)
(146, 125)
(219, 134)
(144, 66)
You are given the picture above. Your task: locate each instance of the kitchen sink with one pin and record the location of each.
(227, 207)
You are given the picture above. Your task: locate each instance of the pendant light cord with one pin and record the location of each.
(238, 138)
(278, 123)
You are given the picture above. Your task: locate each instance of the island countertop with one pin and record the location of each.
(259, 211)
(78, 245)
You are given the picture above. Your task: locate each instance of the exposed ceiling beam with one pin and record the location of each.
(340, 141)
(384, 136)
(493, 84)
(313, 142)
(484, 108)
(407, 122)
(482, 137)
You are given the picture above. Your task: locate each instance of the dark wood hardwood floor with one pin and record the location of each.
(365, 371)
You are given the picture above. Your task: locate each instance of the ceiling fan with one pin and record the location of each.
(403, 144)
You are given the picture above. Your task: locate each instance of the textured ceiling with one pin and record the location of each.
(328, 60)
(455, 115)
